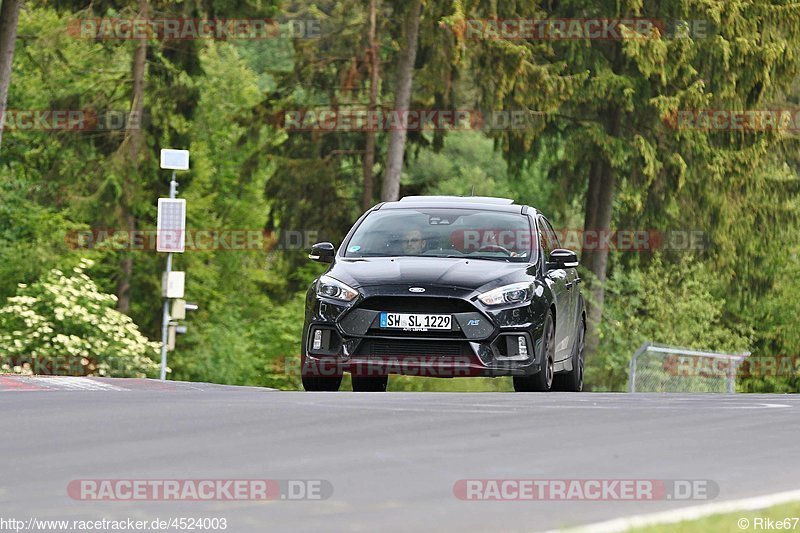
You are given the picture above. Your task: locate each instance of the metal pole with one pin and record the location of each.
(731, 376)
(632, 366)
(173, 188)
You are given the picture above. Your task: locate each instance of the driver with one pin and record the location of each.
(413, 243)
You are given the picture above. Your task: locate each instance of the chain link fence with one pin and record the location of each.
(658, 368)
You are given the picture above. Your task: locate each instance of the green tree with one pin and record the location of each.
(606, 102)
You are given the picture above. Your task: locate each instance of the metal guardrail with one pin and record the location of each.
(662, 380)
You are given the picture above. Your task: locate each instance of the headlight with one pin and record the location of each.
(333, 288)
(515, 293)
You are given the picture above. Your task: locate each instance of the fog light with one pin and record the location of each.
(522, 346)
(318, 339)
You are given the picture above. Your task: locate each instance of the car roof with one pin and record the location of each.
(486, 203)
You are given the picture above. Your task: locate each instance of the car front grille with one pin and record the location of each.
(430, 334)
(388, 348)
(417, 304)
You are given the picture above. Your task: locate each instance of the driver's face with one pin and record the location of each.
(413, 243)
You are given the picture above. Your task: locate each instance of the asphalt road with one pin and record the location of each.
(392, 459)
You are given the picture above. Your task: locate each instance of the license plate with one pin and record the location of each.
(415, 322)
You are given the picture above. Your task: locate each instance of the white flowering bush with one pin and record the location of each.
(63, 324)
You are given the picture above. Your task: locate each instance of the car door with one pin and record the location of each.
(569, 319)
(556, 279)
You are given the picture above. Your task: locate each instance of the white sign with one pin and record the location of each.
(171, 226)
(172, 284)
(174, 159)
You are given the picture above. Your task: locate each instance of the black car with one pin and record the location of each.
(446, 286)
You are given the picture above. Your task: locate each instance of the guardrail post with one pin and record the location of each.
(632, 367)
(731, 376)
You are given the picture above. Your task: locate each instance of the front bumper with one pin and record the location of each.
(482, 341)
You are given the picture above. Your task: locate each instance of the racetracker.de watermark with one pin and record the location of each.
(199, 489)
(747, 120)
(193, 29)
(433, 366)
(585, 489)
(593, 29)
(363, 120)
(71, 120)
(623, 240)
(212, 239)
(753, 366)
(56, 365)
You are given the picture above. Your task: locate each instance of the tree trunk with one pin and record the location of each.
(590, 214)
(599, 256)
(374, 66)
(133, 143)
(124, 282)
(9, 15)
(600, 219)
(137, 96)
(405, 77)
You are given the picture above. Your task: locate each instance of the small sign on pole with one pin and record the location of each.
(179, 308)
(171, 227)
(174, 159)
(178, 311)
(172, 284)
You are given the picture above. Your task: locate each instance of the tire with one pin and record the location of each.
(316, 379)
(321, 384)
(370, 384)
(572, 381)
(542, 381)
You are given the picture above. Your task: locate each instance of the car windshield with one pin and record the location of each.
(422, 232)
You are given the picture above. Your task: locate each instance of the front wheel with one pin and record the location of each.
(542, 381)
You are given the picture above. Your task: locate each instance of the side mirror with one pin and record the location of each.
(562, 258)
(322, 252)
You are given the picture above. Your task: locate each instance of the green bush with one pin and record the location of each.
(62, 324)
(674, 304)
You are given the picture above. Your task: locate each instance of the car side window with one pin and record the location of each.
(546, 237)
(553, 236)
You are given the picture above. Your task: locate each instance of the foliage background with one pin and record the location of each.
(220, 99)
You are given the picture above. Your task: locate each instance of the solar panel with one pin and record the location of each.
(171, 227)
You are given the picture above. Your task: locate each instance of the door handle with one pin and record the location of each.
(568, 285)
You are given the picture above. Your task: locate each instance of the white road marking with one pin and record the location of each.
(685, 513)
(73, 383)
(22, 383)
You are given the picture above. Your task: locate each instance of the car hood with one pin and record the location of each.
(455, 272)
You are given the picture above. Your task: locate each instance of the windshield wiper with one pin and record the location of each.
(486, 257)
(483, 257)
(491, 258)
